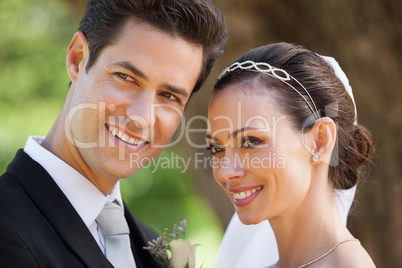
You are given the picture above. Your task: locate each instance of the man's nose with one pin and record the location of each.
(139, 110)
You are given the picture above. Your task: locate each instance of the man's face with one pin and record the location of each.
(125, 110)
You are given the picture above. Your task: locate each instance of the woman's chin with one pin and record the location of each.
(249, 219)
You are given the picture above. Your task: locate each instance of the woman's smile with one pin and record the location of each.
(243, 196)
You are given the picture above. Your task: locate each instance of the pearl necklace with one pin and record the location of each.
(323, 255)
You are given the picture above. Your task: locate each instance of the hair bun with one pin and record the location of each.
(358, 151)
(362, 145)
(356, 148)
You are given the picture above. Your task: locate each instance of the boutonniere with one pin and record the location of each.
(173, 250)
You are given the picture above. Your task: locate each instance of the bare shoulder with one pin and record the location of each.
(348, 255)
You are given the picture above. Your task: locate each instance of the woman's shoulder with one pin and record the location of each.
(350, 255)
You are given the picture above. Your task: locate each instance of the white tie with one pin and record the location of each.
(117, 241)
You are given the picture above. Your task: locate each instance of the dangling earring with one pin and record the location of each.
(315, 158)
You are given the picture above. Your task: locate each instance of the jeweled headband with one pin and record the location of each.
(280, 74)
(283, 76)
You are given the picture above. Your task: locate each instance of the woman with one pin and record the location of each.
(283, 137)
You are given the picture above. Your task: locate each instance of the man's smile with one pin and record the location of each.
(125, 137)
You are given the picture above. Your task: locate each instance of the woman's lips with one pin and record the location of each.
(243, 196)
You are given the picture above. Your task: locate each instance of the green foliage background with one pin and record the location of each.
(34, 36)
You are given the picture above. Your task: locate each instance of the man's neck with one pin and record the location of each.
(57, 143)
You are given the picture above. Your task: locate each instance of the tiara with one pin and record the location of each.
(280, 74)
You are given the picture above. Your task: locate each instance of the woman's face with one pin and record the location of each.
(259, 159)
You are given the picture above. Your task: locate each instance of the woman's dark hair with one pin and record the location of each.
(197, 21)
(354, 146)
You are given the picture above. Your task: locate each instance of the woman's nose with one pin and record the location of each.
(230, 168)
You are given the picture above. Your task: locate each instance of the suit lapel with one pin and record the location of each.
(139, 236)
(56, 208)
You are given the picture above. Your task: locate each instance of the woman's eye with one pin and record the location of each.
(250, 142)
(215, 149)
(169, 95)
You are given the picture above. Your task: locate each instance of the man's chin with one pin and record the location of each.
(120, 172)
(123, 164)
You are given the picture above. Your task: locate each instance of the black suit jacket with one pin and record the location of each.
(40, 228)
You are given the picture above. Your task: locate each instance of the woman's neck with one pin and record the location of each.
(309, 230)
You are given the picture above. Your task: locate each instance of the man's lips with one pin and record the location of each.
(125, 136)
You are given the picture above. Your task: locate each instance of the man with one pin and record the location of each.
(133, 66)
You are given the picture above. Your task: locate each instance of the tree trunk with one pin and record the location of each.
(366, 39)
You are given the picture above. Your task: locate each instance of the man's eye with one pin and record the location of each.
(250, 142)
(169, 95)
(126, 77)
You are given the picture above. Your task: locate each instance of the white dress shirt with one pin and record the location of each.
(86, 199)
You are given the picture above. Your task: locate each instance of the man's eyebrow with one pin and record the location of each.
(176, 90)
(137, 72)
(129, 66)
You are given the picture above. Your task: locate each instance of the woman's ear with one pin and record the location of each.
(324, 140)
(77, 56)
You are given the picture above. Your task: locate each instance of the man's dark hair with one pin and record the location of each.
(199, 22)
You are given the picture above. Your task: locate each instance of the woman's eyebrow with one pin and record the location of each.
(235, 132)
(244, 129)
(209, 136)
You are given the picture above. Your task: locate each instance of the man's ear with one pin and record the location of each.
(77, 56)
(324, 135)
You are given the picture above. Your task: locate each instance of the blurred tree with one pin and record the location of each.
(33, 40)
(365, 36)
(34, 36)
